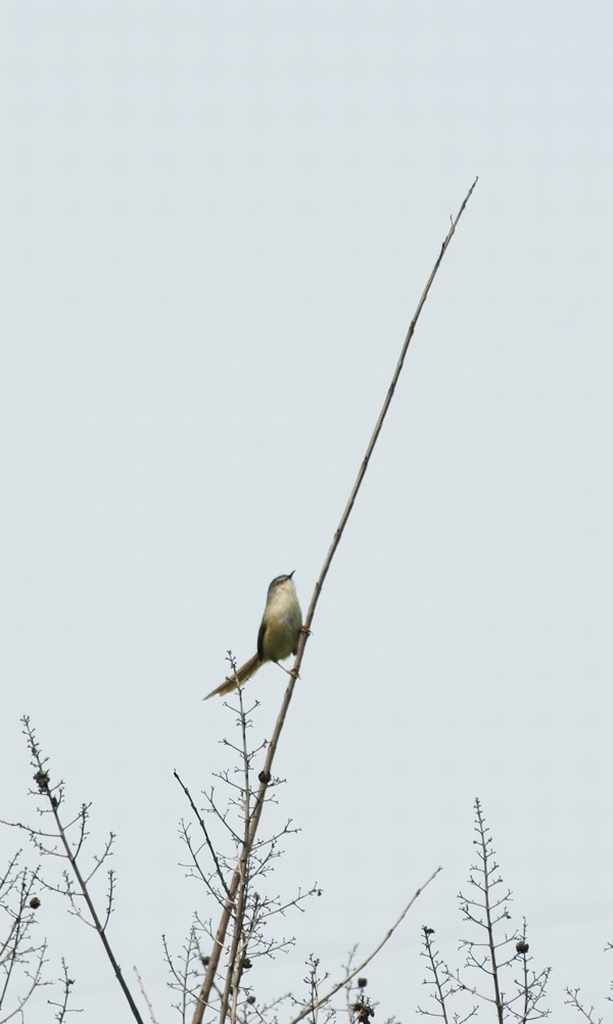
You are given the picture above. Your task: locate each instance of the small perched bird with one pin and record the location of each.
(278, 635)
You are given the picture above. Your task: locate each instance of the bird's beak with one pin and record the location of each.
(291, 574)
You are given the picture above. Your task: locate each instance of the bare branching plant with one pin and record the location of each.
(438, 976)
(314, 981)
(216, 839)
(22, 955)
(573, 999)
(61, 1004)
(223, 829)
(513, 991)
(64, 837)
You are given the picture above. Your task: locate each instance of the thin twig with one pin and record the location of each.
(485, 851)
(440, 985)
(220, 934)
(207, 838)
(143, 992)
(573, 1000)
(67, 984)
(237, 950)
(357, 970)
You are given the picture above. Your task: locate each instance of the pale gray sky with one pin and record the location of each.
(217, 219)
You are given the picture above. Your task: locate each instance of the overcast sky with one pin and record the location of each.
(217, 219)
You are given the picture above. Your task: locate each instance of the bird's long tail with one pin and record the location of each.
(241, 676)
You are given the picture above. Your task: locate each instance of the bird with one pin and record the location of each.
(277, 637)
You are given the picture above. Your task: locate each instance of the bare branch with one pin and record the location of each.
(357, 970)
(54, 796)
(207, 838)
(573, 1000)
(21, 959)
(266, 773)
(143, 992)
(62, 1008)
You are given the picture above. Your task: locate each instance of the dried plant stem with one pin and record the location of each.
(380, 420)
(233, 974)
(222, 928)
(360, 967)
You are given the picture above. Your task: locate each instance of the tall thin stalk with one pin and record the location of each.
(230, 903)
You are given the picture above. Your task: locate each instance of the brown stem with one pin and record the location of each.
(357, 970)
(222, 927)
